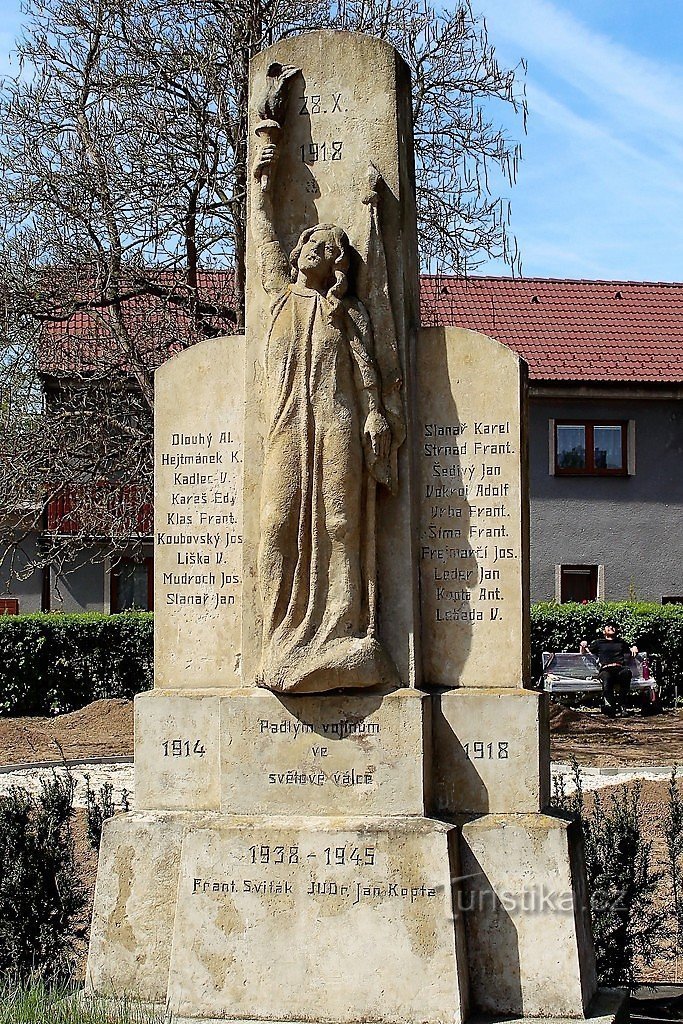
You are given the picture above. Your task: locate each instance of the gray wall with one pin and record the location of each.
(28, 591)
(632, 525)
(79, 591)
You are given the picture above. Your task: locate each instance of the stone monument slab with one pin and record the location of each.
(255, 752)
(527, 916)
(344, 158)
(198, 455)
(375, 894)
(135, 904)
(177, 750)
(340, 754)
(491, 751)
(474, 551)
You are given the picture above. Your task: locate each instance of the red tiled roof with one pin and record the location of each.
(611, 331)
(570, 330)
(158, 326)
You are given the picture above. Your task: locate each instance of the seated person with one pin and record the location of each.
(612, 653)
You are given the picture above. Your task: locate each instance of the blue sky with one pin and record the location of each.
(600, 191)
(600, 188)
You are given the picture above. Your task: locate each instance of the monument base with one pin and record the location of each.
(343, 919)
(609, 1006)
(527, 916)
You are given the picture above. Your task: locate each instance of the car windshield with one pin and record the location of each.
(577, 666)
(581, 666)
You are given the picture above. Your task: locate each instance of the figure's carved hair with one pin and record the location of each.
(340, 285)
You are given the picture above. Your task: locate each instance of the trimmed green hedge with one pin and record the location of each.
(54, 663)
(655, 628)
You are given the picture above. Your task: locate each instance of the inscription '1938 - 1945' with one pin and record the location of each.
(320, 872)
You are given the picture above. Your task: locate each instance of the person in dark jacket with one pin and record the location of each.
(613, 655)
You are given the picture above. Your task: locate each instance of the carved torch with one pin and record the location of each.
(273, 107)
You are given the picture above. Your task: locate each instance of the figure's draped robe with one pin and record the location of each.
(313, 551)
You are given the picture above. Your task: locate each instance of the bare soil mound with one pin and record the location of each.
(604, 742)
(102, 729)
(563, 719)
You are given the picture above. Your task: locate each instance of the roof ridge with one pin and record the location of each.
(550, 280)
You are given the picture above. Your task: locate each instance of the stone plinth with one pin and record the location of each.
(177, 750)
(251, 751)
(282, 919)
(491, 751)
(306, 915)
(135, 904)
(527, 916)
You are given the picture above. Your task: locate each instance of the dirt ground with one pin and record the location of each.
(593, 739)
(103, 729)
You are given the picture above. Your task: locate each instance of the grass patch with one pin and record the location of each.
(37, 1003)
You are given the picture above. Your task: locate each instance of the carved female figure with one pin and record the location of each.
(328, 444)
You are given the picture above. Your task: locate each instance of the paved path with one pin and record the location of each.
(117, 771)
(598, 778)
(120, 773)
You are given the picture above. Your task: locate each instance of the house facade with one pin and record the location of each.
(605, 444)
(605, 426)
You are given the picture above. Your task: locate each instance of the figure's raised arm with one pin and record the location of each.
(273, 263)
(272, 109)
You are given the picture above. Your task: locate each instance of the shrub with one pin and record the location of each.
(622, 882)
(54, 663)
(40, 894)
(657, 629)
(673, 835)
(99, 807)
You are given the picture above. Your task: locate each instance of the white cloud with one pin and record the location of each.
(600, 187)
(607, 73)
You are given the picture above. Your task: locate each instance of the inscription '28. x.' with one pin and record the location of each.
(319, 104)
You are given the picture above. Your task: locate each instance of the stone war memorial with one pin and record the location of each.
(342, 779)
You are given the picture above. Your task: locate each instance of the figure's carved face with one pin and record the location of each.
(609, 632)
(317, 257)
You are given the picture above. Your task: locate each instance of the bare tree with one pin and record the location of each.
(123, 204)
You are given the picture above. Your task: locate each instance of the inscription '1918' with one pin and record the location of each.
(479, 751)
(321, 151)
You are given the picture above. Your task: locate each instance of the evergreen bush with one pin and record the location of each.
(628, 926)
(655, 628)
(54, 663)
(40, 892)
